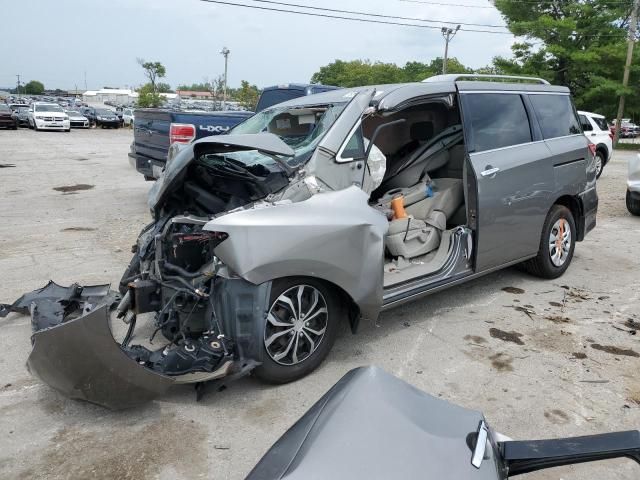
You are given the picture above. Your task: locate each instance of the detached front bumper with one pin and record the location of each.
(81, 359)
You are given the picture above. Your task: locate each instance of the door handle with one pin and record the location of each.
(593, 134)
(489, 172)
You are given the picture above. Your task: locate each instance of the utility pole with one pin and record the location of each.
(18, 89)
(627, 66)
(448, 34)
(85, 80)
(225, 51)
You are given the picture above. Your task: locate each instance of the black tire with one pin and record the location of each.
(603, 160)
(542, 265)
(270, 370)
(633, 203)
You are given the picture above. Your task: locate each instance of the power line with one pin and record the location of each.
(386, 22)
(368, 14)
(448, 4)
(427, 2)
(353, 19)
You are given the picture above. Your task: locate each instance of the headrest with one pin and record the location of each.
(421, 131)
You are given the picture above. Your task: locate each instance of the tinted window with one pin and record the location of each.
(556, 115)
(586, 125)
(602, 123)
(355, 146)
(497, 120)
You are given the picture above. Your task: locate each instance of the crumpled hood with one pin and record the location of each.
(181, 156)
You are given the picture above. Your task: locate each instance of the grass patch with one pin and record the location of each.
(627, 146)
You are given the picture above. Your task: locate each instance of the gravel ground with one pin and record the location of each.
(540, 358)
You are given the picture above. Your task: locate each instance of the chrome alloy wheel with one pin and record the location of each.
(599, 165)
(296, 323)
(560, 242)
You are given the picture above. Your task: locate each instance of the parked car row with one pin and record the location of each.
(52, 116)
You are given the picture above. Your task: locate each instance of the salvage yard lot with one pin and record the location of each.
(541, 358)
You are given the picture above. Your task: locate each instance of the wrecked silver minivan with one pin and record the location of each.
(327, 209)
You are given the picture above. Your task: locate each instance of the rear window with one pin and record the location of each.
(556, 115)
(601, 122)
(497, 120)
(586, 124)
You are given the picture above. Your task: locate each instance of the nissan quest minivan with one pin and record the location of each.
(337, 206)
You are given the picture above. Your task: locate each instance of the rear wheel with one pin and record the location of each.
(633, 203)
(600, 161)
(557, 244)
(301, 327)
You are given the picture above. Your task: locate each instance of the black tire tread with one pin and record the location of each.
(539, 265)
(633, 205)
(273, 373)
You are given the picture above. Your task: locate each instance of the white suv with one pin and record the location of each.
(596, 129)
(48, 116)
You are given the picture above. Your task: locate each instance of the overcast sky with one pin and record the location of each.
(57, 42)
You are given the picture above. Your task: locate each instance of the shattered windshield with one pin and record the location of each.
(299, 127)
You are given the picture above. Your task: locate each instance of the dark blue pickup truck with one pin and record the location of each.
(155, 130)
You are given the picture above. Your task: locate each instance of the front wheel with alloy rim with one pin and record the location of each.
(600, 161)
(300, 329)
(557, 244)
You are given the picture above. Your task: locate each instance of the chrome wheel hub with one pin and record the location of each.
(296, 324)
(598, 165)
(560, 242)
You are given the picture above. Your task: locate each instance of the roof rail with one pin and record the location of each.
(454, 77)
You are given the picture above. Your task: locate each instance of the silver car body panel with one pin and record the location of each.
(334, 236)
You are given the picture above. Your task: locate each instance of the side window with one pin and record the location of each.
(497, 120)
(556, 115)
(602, 123)
(355, 146)
(586, 124)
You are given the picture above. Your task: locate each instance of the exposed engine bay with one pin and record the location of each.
(233, 215)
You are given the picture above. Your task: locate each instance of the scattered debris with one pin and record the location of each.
(220, 447)
(73, 188)
(78, 229)
(594, 381)
(502, 362)
(557, 319)
(579, 355)
(632, 324)
(529, 312)
(556, 416)
(514, 290)
(512, 336)
(475, 339)
(406, 324)
(630, 332)
(615, 350)
(604, 297)
(6, 165)
(556, 304)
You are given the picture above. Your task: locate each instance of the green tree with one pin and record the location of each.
(356, 73)
(163, 88)
(577, 44)
(148, 97)
(153, 71)
(34, 87)
(247, 95)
